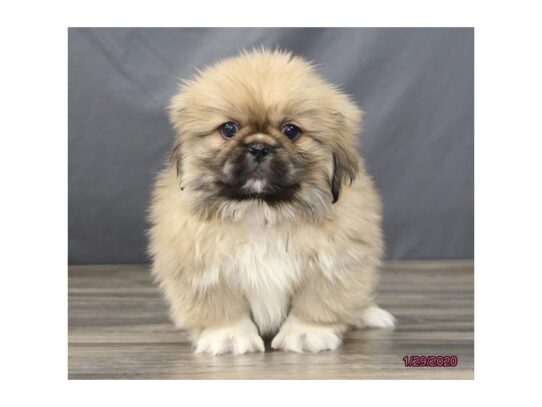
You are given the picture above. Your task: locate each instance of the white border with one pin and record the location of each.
(34, 200)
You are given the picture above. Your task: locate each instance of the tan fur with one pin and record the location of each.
(219, 261)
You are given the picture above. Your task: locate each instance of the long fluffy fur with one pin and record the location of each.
(233, 270)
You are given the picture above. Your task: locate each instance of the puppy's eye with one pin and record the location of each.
(228, 129)
(291, 131)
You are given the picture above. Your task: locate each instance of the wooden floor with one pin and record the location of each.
(119, 329)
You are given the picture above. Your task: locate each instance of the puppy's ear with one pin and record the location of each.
(177, 108)
(345, 168)
(346, 161)
(176, 159)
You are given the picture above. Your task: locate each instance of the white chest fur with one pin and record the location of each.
(266, 270)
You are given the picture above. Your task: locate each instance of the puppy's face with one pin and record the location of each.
(263, 129)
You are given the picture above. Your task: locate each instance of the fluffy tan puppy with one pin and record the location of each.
(264, 220)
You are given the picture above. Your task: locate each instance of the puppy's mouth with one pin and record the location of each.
(256, 185)
(258, 188)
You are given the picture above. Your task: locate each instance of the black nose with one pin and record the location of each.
(258, 151)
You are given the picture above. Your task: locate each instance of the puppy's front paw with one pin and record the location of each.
(241, 337)
(299, 336)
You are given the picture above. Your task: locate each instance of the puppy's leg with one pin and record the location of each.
(218, 319)
(323, 308)
(319, 314)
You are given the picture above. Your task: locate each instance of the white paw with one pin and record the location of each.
(298, 336)
(375, 317)
(239, 338)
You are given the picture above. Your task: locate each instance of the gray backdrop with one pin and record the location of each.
(416, 85)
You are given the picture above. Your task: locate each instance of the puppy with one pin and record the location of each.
(264, 221)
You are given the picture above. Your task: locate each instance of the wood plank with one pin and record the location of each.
(119, 329)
